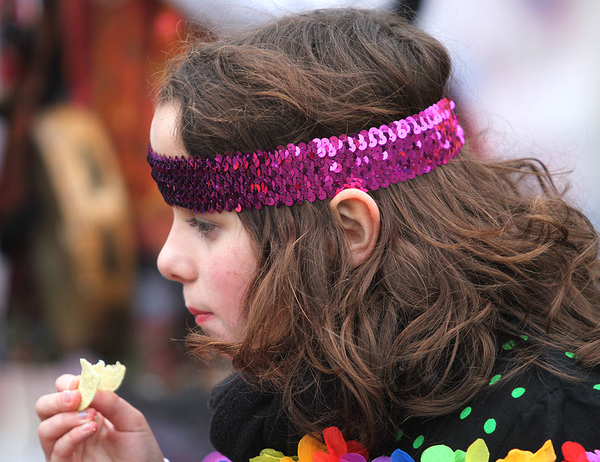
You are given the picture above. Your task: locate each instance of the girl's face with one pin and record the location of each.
(212, 255)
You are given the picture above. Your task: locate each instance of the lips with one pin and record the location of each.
(200, 316)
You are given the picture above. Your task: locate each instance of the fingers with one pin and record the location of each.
(64, 401)
(67, 382)
(67, 398)
(60, 434)
(56, 426)
(118, 411)
(65, 447)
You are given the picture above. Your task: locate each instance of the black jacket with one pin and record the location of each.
(521, 412)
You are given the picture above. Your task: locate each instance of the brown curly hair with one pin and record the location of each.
(470, 256)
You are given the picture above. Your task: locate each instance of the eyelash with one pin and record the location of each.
(202, 227)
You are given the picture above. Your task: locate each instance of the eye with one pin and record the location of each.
(202, 226)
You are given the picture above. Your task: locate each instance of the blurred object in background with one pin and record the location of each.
(5, 267)
(82, 250)
(528, 74)
(26, 70)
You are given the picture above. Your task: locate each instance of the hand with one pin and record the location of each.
(109, 430)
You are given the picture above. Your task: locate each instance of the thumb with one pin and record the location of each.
(119, 412)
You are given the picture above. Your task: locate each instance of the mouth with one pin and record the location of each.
(200, 316)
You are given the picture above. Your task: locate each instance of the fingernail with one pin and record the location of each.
(88, 427)
(83, 415)
(68, 396)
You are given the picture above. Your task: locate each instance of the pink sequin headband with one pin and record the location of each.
(291, 174)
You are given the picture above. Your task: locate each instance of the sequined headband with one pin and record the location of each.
(291, 174)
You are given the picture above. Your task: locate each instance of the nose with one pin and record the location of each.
(175, 261)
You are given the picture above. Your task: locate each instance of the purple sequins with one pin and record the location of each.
(292, 174)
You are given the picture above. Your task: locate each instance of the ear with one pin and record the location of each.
(358, 215)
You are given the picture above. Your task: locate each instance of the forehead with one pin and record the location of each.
(164, 136)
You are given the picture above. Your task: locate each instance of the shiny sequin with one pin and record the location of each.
(318, 169)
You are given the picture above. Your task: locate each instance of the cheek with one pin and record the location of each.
(230, 277)
(230, 286)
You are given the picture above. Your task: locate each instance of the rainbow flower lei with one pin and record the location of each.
(336, 449)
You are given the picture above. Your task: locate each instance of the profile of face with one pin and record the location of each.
(212, 255)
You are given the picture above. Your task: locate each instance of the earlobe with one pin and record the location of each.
(358, 215)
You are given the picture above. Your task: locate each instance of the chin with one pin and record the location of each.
(220, 335)
(229, 337)
(216, 336)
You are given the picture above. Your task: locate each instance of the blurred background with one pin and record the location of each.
(81, 221)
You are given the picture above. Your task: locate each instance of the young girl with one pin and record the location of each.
(361, 268)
